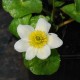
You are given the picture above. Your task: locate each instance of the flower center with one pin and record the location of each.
(38, 39)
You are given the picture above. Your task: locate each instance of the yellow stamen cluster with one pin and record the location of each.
(38, 39)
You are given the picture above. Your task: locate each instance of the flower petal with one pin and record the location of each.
(30, 53)
(21, 45)
(54, 41)
(44, 52)
(24, 30)
(43, 25)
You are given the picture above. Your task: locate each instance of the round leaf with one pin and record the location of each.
(20, 8)
(43, 67)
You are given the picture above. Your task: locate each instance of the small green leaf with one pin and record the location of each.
(14, 24)
(34, 20)
(77, 5)
(58, 3)
(20, 8)
(71, 11)
(43, 67)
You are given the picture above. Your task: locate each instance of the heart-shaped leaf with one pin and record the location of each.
(20, 8)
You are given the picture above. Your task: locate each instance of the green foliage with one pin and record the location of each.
(34, 19)
(20, 8)
(24, 21)
(15, 22)
(77, 5)
(22, 12)
(43, 67)
(71, 11)
(58, 3)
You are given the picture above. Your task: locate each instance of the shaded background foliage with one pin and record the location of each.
(11, 65)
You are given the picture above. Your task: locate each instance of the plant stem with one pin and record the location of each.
(65, 23)
(53, 12)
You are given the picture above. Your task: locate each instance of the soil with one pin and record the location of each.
(11, 65)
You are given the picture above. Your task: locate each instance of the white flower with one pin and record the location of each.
(37, 42)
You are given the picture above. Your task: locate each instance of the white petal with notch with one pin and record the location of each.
(30, 53)
(43, 25)
(54, 41)
(24, 30)
(44, 52)
(21, 45)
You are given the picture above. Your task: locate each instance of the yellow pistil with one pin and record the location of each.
(38, 39)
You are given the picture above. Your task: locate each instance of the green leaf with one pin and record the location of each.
(14, 24)
(77, 5)
(58, 3)
(20, 8)
(43, 67)
(71, 11)
(34, 20)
